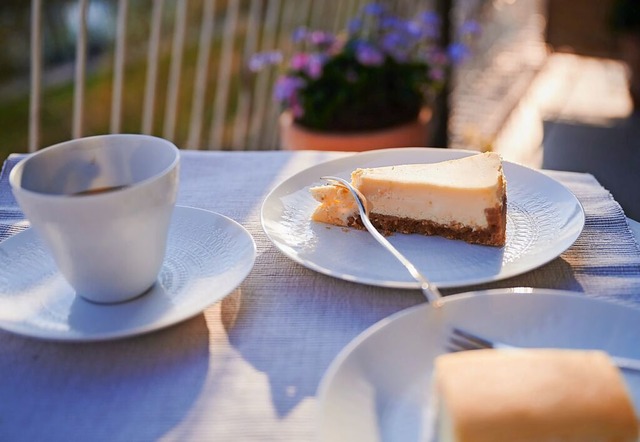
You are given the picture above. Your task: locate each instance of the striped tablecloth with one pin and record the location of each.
(249, 366)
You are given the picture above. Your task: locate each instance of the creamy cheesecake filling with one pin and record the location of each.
(400, 191)
(440, 205)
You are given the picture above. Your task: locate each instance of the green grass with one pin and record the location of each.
(57, 104)
(14, 116)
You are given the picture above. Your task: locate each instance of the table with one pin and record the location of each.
(249, 366)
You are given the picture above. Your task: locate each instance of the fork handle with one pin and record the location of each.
(430, 291)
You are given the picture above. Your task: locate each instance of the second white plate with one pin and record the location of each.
(378, 387)
(543, 219)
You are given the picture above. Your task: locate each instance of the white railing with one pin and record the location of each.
(35, 96)
(227, 107)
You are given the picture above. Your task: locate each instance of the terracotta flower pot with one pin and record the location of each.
(296, 137)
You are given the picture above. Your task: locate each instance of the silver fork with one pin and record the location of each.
(462, 340)
(428, 289)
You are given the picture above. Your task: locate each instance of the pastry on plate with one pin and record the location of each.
(532, 395)
(462, 199)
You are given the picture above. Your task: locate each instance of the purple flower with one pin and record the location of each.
(369, 55)
(374, 9)
(287, 87)
(260, 60)
(311, 64)
(396, 45)
(430, 19)
(299, 61)
(390, 23)
(414, 29)
(470, 28)
(315, 64)
(392, 40)
(354, 26)
(321, 38)
(299, 34)
(458, 52)
(430, 23)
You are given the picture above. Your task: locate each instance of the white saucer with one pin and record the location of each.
(208, 256)
(378, 387)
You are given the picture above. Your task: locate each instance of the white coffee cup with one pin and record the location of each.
(102, 205)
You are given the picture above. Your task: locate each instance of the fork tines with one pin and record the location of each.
(461, 340)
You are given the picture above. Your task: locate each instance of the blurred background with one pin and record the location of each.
(506, 24)
(548, 83)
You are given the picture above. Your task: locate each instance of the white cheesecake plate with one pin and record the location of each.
(543, 219)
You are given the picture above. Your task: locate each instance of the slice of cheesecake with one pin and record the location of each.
(461, 199)
(532, 395)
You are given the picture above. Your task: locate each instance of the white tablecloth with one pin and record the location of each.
(249, 366)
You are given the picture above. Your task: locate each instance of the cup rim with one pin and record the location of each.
(16, 171)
